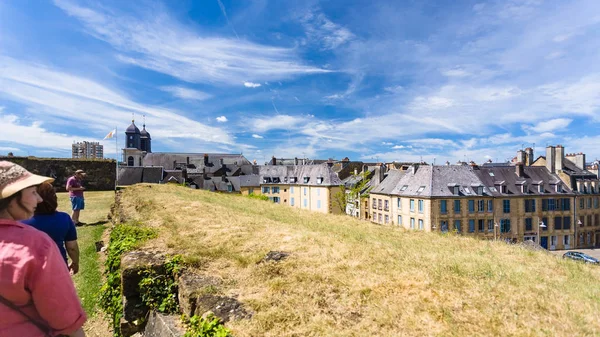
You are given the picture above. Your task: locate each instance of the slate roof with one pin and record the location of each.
(439, 181)
(532, 175)
(130, 175)
(196, 160)
(278, 174)
(249, 180)
(572, 170)
(389, 182)
(152, 175)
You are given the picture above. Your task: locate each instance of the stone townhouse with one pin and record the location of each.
(571, 169)
(505, 202)
(310, 187)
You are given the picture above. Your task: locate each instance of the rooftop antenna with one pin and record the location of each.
(144, 125)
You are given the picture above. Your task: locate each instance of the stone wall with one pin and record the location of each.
(100, 173)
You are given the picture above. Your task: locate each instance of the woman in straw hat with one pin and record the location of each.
(37, 296)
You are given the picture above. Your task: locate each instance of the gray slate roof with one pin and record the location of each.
(136, 175)
(439, 181)
(277, 174)
(389, 183)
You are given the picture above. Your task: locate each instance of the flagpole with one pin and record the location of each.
(116, 157)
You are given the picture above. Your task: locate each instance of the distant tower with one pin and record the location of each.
(145, 139)
(137, 144)
(132, 137)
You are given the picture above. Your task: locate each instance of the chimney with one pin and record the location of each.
(528, 156)
(206, 159)
(221, 162)
(447, 163)
(174, 164)
(187, 161)
(330, 163)
(519, 170)
(551, 159)
(412, 169)
(472, 164)
(521, 156)
(380, 172)
(578, 159)
(365, 168)
(273, 160)
(559, 157)
(355, 172)
(295, 160)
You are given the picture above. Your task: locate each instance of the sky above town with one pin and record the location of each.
(369, 80)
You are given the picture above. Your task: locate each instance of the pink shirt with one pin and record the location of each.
(33, 276)
(74, 182)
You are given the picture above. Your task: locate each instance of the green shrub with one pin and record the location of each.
(258, 197)
(211, 327)
(123, 238)
(159, 291)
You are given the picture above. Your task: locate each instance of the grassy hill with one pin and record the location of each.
(351, 278)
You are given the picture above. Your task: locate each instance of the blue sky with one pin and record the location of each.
(371, 80)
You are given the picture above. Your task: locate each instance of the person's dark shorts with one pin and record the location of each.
(77, 203)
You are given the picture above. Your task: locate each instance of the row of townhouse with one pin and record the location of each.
(527, 201)
(310, 187)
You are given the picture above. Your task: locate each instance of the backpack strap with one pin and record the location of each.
(45, 329)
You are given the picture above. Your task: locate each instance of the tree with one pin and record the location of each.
(347, 196)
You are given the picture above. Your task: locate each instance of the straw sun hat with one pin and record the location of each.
(14, 178)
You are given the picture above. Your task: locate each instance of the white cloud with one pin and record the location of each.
(155, 41)
(221, 119)
(186, 93)
(395, 89)
(251, 85)
(456, 72)
(323, 31)
(387, 143)
(9, 149)
(54, 94)
(277, 122)
(34, 135)
(559, 124)
(257, 136)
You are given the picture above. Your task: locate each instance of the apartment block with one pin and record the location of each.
(87, 150)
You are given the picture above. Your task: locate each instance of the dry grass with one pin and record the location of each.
(351, 278)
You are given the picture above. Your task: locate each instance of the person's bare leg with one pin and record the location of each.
(75, 216)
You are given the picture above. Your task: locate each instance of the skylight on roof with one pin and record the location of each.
(493, 189)
(403, 188)
(421, 189)
(491, 174)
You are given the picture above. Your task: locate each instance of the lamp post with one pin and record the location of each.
(579, 223)
(495, 226)
(542, 225)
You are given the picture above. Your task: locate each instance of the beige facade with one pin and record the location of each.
(309, 197)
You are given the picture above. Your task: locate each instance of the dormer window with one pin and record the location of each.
(293, 180)
(524, 188)
(456, 190)
(267, 180)
(541, 188)
(319, 180)
(480, 190)
(559, 188)
(285, 179)
(276, 180)
(306, 179)
(503, 189)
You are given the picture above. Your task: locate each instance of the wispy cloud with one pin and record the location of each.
(551, 125)
(323, 31)
(221, 119)
(186, 93)
(257, 136)
(227, 18)
(279, 122)
(155, 41)
(53, 93)
(251, 85)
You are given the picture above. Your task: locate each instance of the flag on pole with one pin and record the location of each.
(110, 134)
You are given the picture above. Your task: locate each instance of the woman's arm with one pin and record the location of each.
(73, 252)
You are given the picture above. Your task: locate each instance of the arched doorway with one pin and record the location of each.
(130, 161)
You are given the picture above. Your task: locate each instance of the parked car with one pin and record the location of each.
(578, 256)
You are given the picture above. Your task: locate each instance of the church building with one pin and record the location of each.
(137, 145)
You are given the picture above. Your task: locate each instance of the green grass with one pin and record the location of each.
(89, 278)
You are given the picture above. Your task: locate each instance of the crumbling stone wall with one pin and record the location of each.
(100, 173)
